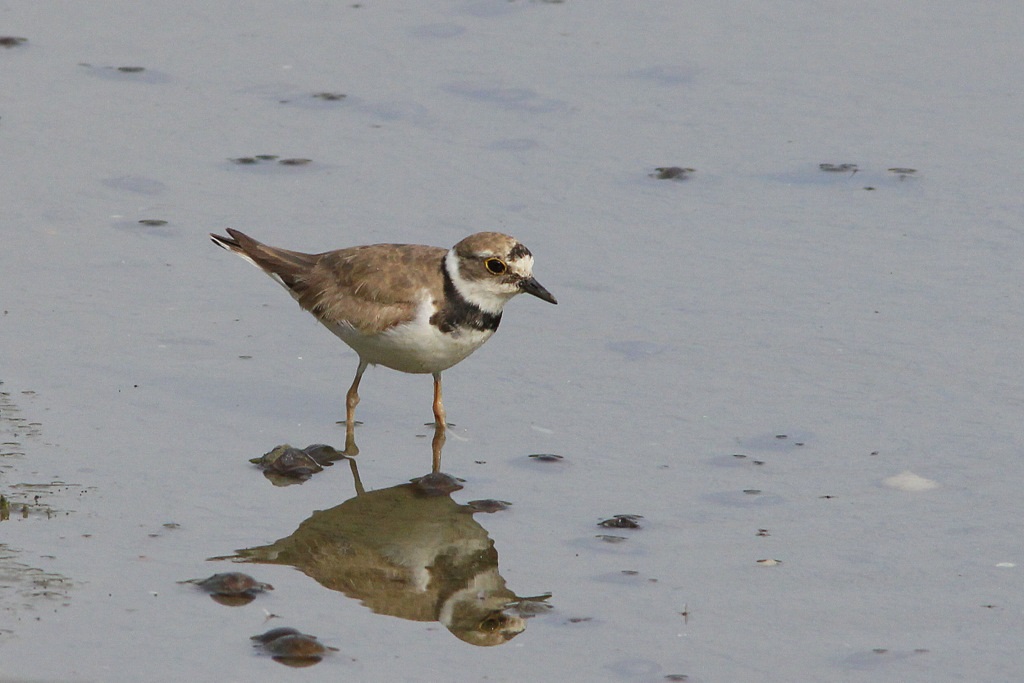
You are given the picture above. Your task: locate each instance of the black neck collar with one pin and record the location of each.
(458, 312)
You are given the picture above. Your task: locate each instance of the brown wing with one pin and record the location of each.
(370, 288)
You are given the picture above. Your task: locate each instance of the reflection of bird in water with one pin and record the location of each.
(408, 551)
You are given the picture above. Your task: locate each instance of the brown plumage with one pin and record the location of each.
(371, 287)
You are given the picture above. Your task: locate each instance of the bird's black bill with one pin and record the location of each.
(531, 286)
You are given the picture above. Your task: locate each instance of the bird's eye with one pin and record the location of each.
(495, 266)
(491, 624)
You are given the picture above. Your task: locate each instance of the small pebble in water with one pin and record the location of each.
(908, 481)
(437, 484)
(489, 505)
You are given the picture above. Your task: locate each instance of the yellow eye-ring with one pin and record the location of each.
(495, 266)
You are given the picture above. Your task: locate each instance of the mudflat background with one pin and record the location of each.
(807, 379)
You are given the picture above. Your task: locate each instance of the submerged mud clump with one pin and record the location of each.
(288, 465)
(437, 484)
(292, 647)
(489, 505)
(231, 588)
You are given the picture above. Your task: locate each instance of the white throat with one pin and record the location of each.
(482, 293)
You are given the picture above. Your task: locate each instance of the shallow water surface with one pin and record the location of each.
(778, 402)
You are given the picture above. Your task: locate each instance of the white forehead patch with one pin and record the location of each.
(522, 265)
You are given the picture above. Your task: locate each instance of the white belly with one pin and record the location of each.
(416, 347)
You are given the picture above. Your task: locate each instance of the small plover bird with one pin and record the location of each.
(408, 307)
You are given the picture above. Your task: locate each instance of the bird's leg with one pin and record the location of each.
(438, 404)
(360, 490)
(351, 401)
(436, 444)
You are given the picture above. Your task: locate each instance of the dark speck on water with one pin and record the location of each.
(838, 168)
(902, 172)
(671, 173)
(259, 158)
